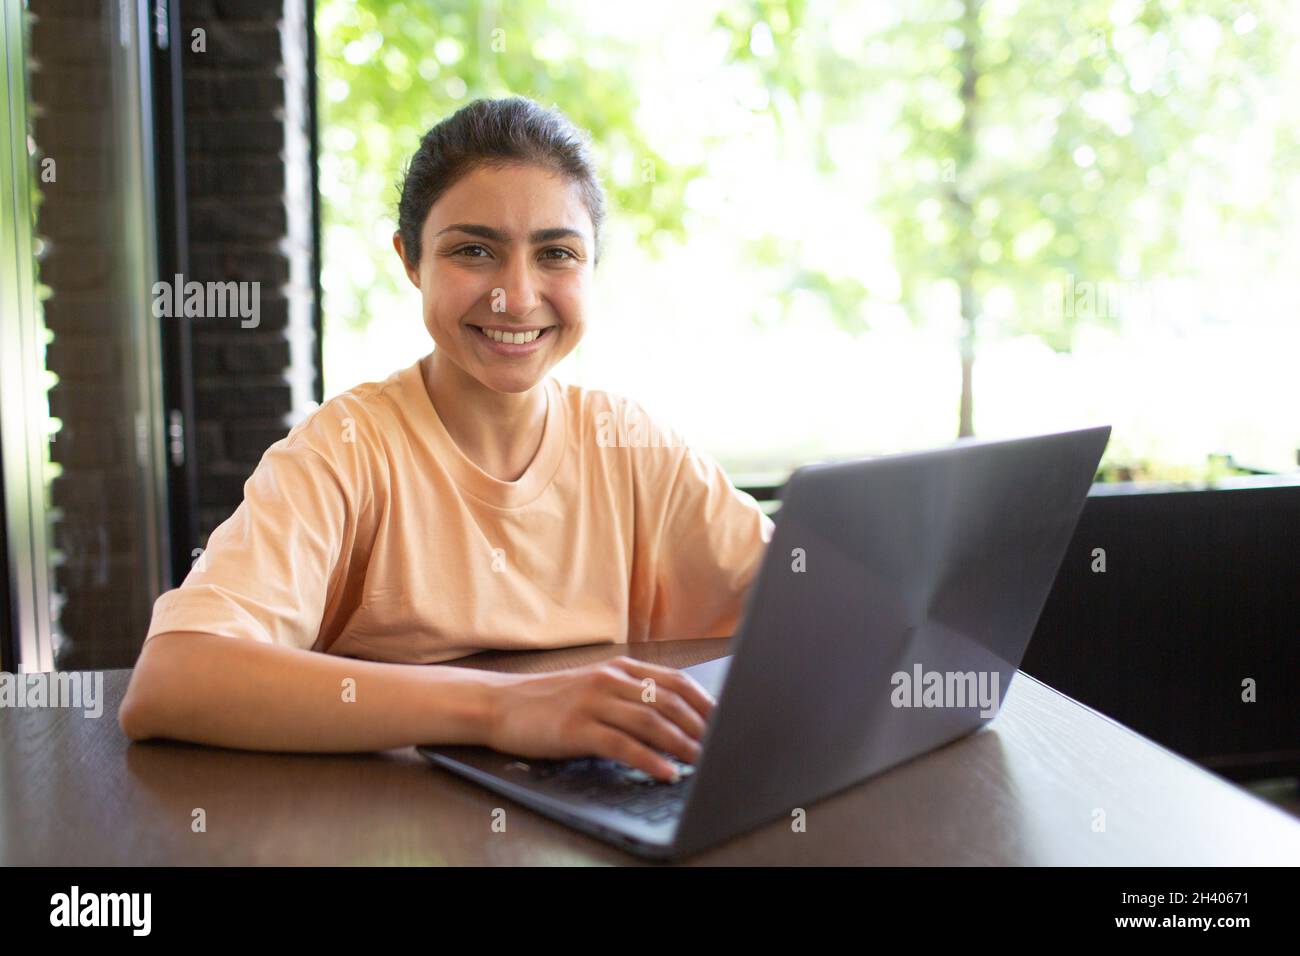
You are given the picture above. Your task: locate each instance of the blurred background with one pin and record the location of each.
(845, 228)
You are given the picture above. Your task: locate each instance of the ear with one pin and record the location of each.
(411, 273)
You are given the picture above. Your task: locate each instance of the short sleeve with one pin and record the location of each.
(714, 538)
(266, 571)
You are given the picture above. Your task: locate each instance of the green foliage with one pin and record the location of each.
(1032, 141)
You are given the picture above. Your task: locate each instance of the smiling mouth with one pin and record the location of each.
(513, 337)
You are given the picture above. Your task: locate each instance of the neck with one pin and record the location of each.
(498, 431)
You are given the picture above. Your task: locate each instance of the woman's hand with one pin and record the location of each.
(622, 709)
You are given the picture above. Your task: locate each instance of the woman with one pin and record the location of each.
(467, 502)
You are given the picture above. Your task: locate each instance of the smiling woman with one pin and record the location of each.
(470, 501)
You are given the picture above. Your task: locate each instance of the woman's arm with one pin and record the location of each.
(239, 693)
(254, 696)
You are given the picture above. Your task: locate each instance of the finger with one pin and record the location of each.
(626, 687)
(649, 728)
(674, 708)
(614, 744)
(681, 683)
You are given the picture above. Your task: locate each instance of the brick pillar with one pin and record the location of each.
(250, 212)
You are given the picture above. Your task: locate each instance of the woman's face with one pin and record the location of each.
(505, 249)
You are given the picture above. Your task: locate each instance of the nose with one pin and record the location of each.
(519, 287)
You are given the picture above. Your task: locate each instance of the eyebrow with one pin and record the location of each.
(487, 232)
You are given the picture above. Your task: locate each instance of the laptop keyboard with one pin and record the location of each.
(616, 785)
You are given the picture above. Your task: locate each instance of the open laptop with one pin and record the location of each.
(894, 605)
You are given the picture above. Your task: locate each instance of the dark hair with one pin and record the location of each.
(495, 133)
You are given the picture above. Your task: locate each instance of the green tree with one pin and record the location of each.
(1033, 146)
(1035, 143)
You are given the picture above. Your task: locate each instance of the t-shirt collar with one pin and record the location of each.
(469, 477)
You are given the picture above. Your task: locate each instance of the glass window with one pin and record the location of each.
(843, 228)
(81, 420)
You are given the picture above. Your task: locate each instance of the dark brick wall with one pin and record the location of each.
(236, 133)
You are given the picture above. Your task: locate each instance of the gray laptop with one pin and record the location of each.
(894, 605)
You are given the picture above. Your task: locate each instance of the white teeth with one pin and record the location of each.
(512, 338)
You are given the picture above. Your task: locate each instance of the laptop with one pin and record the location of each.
(893, 606)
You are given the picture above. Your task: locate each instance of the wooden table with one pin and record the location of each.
(1028, 789)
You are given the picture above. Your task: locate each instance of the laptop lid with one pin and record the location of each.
(894, 604)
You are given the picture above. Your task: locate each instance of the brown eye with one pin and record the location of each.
(566, 253)
(467, 248)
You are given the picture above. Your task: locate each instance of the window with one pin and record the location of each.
(83, 481)
(844, 228)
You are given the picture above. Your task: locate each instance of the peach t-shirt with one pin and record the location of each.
(366, 532)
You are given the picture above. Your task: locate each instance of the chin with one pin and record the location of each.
(512, 383)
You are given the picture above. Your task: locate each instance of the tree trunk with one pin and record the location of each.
(970, 305)
(969, 309)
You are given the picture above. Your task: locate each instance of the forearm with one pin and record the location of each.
(239, 693)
